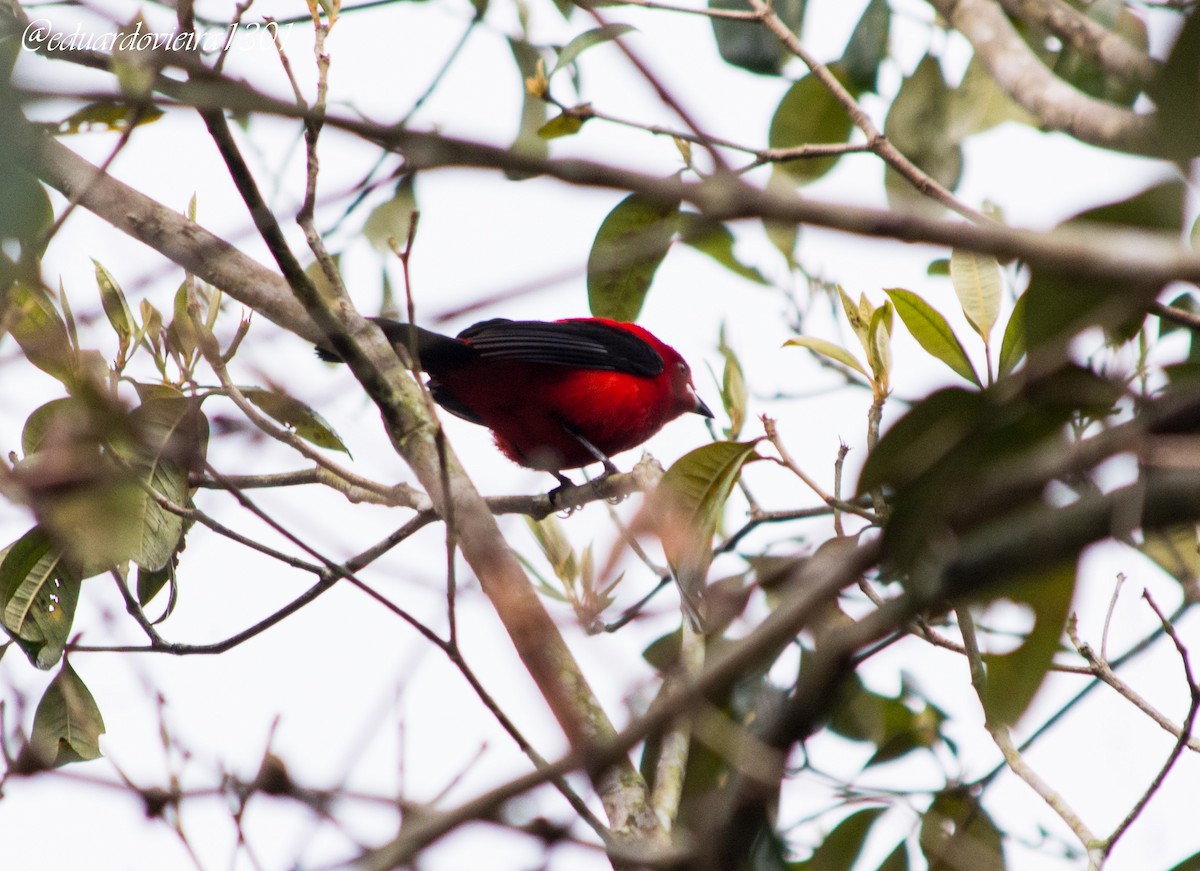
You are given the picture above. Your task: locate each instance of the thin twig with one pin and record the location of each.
(785, 459)
(1012, 757)
(1184, 733)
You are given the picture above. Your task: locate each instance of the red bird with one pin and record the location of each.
(556, 395)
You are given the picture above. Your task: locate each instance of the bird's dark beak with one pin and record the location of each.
(700, 408)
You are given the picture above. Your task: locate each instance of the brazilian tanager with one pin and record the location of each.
(555, 394)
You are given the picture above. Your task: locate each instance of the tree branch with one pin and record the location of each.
(1056, 104)
(1088, 37)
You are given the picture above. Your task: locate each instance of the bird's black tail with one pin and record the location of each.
(434, 350)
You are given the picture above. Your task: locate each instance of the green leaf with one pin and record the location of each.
(828, 349)
(630, 245)
(917, 125)
(40, 331)
(932, 332)
(149, 583)
(389, 223)
(867, 47)
(886, 721)
(897, 860)
(809, 114)
(115, 305)
(922, 439)
(879, 346)
(111, 115)
(1012, 346)
(38, 593)
(554, 545)
(1184, 302)
(977, 282)
(66, 415)
(749, 44)
(181, 333)
(842, 846)
(566, 124)
(85, 502)
(784, 235)
(533, 109)
(859, 316)
(957, 834)
(1191, 863)
(296, 416)
(979, 104)
(715, 239)
(1176, 551)
(1160, 207)
(663, 652)
(27, 214)
(688, 505)
(587, 40)
(1083, 73)
(172, 441)
(1013, 678)
(1059, 305)
(67, 724)
(134, 62)
(733, 390)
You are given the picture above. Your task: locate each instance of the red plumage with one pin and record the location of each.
(556, 394)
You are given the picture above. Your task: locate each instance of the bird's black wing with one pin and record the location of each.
(581, 344)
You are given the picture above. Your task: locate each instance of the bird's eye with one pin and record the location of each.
(683, 367)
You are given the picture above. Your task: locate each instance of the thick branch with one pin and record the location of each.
(1088, 37)
(1021, 75)
(1094, 253)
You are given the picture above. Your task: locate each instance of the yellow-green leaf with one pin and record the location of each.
(587, 40)
(977, 282)
(555, 546)
(40, 331)
(932, 332)
(858, 315)
(733, 389)
(828, 349)
(533, 107)
(111, 115)
(115, 306)
(565, 124)
(38, 592)
(1012, 346)
(389, 223)
(879, 347)
(688, 505)
(297, 416)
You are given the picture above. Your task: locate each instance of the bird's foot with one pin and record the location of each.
(556, 495)
(609, 471)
